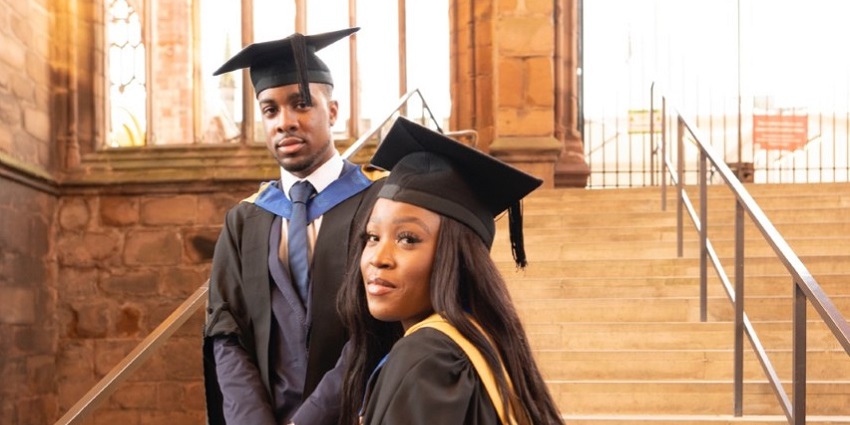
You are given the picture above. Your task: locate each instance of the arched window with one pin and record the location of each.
(127, 74)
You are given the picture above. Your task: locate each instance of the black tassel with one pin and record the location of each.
(299, 50)
(515, 228)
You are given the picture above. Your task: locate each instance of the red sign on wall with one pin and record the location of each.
(780, 132)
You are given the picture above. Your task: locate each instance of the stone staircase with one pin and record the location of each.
(613, 313)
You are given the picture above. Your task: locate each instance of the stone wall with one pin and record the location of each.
(27, 305)
(25, 82)
(171, 73)
(125, 262)
(508, 62)
(27, 205)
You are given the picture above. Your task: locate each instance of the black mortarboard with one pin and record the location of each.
(432, 171)
(291, 60)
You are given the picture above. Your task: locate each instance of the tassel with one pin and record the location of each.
(299, 50)
(515, 228)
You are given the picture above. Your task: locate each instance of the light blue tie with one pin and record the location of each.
(299, 263)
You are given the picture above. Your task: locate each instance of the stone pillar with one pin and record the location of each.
(571, 170)
(172, 106)
(472, 68)
(504, 80)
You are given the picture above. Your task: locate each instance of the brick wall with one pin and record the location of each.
(27, 273)
(125, 262)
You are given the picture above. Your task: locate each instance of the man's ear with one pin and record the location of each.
(333, 109)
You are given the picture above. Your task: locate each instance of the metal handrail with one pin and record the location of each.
(806, 287)
(106, 386)
(132, 361)
(362, 140)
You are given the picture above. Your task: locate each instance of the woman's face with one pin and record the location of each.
(401, 240)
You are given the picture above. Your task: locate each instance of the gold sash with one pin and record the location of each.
(481, 367)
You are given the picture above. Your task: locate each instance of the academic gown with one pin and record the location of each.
(427, 379)
(240, 305)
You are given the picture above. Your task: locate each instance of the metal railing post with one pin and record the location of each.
(664, 169)
(739, 309)
(798, 381)
(680, 184)
(653, 149)
(703, 237)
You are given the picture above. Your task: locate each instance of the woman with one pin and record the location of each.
(425, 270)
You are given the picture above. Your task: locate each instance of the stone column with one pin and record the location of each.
(571, 170)
(504, 81)
(171, 81)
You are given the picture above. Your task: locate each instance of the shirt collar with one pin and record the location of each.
(320, 179)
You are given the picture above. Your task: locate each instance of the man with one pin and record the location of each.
(272, 333)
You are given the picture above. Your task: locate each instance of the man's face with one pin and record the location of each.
(297, 135)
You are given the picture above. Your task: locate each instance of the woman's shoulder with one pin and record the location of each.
(429, 368)
(428, 347)
(428, 358)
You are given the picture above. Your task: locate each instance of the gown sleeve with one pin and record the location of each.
(225, 300)
(234, 387)
(427, 379)
(245, 400)
(323, 405)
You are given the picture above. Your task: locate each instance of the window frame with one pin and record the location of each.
(81, 126)
(248, 124)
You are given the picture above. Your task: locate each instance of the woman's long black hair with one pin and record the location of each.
(464, 281)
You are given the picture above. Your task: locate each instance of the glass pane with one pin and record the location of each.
(127, 91)
(221, 38)
(428, 57)
(377, 59)
(273, 20)
(336, 56)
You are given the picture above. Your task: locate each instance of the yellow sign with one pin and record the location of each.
(639, 121)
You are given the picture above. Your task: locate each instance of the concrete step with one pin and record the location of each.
(657, 336)
(757, 191)
(550, 250)
(612, 313)
(727, 419)
(646, 287)
(623, 232)
(689, 397)
(663, 267)
(683, 364)
(787, 189)
(556, 218)
(581, 204)
(766, 194)
(685, 309)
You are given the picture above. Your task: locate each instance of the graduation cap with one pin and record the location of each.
(291, 60)
(440, 174)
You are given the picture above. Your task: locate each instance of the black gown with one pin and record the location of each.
(427, 379)
(240, 302)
